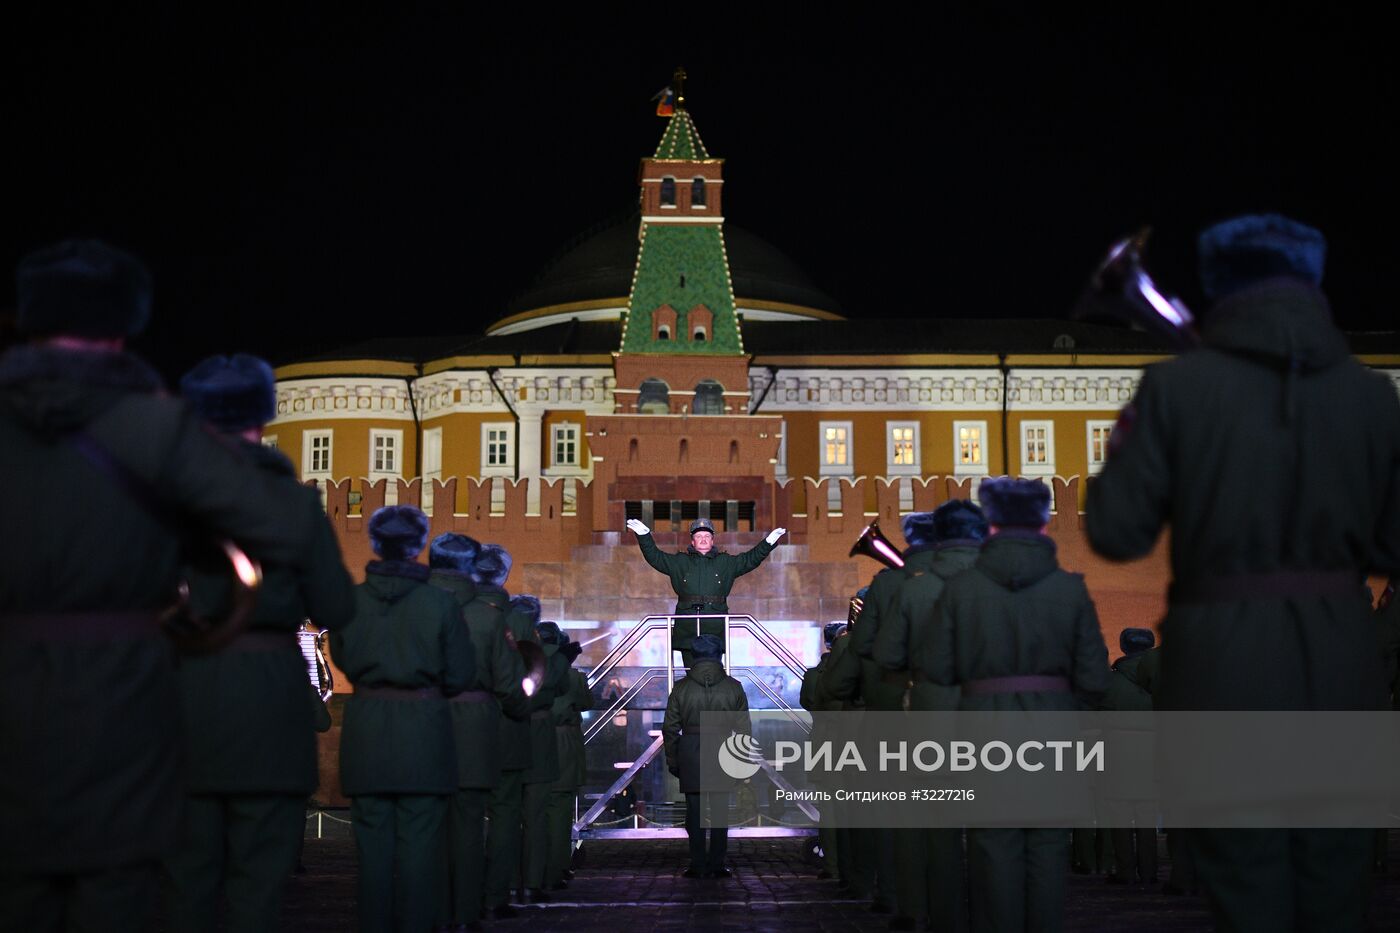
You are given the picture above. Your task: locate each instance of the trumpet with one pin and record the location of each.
(873, 543)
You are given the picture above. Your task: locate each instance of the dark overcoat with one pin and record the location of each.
(1272, 453)
(89, 711)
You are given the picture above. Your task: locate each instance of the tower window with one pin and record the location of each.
(668, 192)
(709, 398)
(654, 398)
(697, 192)
(699, 335)
(663, 332)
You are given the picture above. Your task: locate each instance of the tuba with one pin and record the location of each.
(1121, 287)
(873, 543)
(313, 651)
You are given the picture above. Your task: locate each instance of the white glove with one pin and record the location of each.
(775, 534)
(638, 527)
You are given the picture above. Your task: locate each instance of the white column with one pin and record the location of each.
(530, 442)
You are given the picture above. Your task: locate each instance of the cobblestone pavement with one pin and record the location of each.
(636, 886)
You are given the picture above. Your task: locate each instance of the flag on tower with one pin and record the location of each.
(665, 102)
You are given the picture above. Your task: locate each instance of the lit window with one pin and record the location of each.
(697, 192)
(1098, 435)
(969, 446)
(836, 447)
(1037, 447)
(668, 192)
(902, 450)
(565, 444)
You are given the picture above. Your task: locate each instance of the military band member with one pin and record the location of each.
(705, 688)
(1131, 810)
(476, 722)
(818, 702)
(406, 651)
(1272, 531)
(702, 577)
(930, 872)
(90, 788)
(250, 748)
(490, 571)
(567, 712)
(539, 779)
(1015, 632)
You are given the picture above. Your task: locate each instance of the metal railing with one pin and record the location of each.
(627, 645)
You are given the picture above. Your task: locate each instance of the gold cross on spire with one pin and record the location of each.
(679, 80)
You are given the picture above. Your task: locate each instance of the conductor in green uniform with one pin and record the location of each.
(1015, 632)
(702, 577)
(90, 789)
(476, 722)
(406, 651)
(1275, 456)
(248, 725)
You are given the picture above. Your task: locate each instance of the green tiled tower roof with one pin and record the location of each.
(682, 265)
(681, 140)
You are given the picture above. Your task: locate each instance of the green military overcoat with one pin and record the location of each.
(1271, 451)
(89, 711)
(476, 724)
(702, 583)
(706, 688)
(247, 725)
(406, 634)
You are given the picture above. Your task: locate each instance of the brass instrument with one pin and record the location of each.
(535, 663)
(1121, 287)
(313, 651)
(873, 543)
(857, 604)
(227, 579)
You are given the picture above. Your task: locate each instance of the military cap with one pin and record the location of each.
(82, 287)
(832, 631)
(959, 520)
(918, 529)
(453, 551)
(1136, 640)
(525, 605)
(398, 532)
(707, 647)
(233, 393)
(1243, 251)
(551, 634)
(1015, 503)
(492, 565)
(702, 524)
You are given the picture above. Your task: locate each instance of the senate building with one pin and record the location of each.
(670, 365)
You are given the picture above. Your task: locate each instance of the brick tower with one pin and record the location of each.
(681, 443)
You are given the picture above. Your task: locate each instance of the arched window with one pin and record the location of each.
(697, 192)
(699, 335)
(709, 398)
(663, 332)
(654, 398)
(668, 192)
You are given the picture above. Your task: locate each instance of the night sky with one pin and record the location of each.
(316, 179)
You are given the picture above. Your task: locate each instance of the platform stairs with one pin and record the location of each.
(619, 811)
